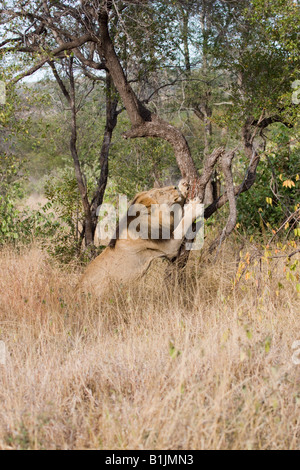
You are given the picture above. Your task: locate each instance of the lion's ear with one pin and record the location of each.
(136, 198)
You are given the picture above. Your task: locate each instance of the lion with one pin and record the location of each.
(130, 253)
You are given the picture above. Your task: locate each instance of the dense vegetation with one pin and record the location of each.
(223, 73)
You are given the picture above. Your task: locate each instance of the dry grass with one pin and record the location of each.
(201, 365)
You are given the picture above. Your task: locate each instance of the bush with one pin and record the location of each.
(275, 195)
(20, 226)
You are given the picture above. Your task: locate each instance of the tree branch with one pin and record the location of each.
(67, 46)
(226, 164)
(144, 123)
(60, 82)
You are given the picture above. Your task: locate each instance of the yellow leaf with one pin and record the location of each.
(288, 184)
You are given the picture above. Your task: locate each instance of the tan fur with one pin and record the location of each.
(126, 260)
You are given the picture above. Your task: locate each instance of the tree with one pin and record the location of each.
(102, 36)
(90, 207)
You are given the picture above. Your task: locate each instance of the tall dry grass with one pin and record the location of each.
(196, 364)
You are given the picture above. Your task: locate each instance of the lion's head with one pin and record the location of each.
(170, 196)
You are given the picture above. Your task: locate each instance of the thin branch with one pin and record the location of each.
(67, 46)
(85, 96)
(91, 75)
(60, 82)
(284, 256)
(284, 224)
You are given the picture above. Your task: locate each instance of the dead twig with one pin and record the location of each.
(284, 224)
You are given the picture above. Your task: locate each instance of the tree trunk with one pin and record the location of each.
(111, 122)
(185, 38)
(88, 223)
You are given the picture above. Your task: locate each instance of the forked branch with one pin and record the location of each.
(226, 164)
